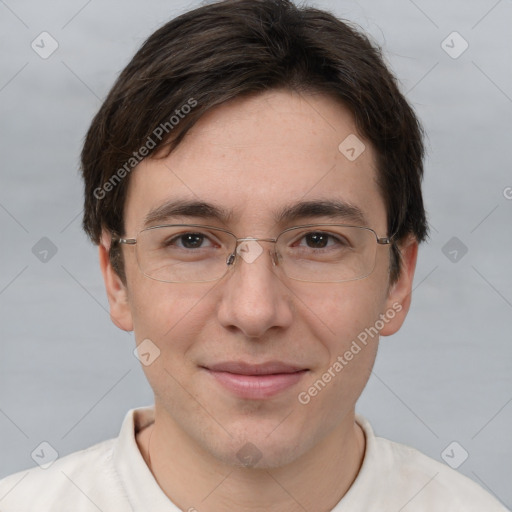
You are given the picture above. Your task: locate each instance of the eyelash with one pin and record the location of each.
(303, 236)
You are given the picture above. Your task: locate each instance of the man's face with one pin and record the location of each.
(254, 157)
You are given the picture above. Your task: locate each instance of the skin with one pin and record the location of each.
(253, 156)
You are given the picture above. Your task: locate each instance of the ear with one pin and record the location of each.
(120, 312)
(399, 293)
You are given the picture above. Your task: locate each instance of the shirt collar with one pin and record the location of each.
(140, 486)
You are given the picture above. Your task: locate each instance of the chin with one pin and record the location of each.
(253, 448)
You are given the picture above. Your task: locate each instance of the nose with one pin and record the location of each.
(254, 298)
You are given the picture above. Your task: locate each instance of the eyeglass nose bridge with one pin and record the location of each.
(274, 254)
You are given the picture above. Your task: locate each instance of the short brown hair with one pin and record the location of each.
(233, 48)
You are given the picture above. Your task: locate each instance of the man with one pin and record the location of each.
(253, 184)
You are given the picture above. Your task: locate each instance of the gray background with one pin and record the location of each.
(68, 376)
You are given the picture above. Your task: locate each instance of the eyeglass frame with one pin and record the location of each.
(232, 257)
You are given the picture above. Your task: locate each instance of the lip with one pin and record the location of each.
(256, 381)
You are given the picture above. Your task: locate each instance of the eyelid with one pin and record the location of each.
(202, 231)
(330, 235)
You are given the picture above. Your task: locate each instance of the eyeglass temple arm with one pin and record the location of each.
(127, 241)
(132, 241)
(385, 240)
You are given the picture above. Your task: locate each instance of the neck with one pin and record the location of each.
(194, 480)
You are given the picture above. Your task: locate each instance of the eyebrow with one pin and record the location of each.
(332, 208)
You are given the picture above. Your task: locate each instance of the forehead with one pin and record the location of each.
(256, 157)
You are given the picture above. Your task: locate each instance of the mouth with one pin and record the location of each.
(256, 381)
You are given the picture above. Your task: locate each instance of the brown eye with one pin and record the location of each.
(192, 240)
(317, 240)
(188, 241)
(322, 240)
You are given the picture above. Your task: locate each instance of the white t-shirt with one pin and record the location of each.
(113, 477)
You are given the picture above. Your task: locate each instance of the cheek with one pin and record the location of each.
(340, 312)
(349, 312)
(161, 311)
(173, 317)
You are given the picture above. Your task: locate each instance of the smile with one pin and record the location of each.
(256, 381)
